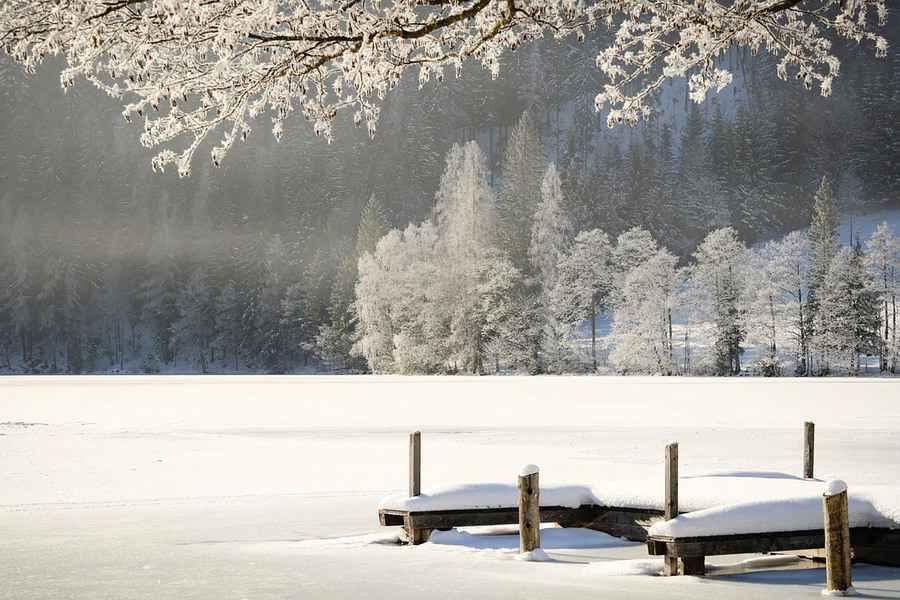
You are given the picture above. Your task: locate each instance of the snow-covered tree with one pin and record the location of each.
(549, 238)
(642, 321)
(520, 194)
(189, 70)
(823, 235)
(777, 281)
(585, 282)
(195, 329)
(160, 287)
(464, 214)
(883, 262)
(295, 328)
(229, 312)
(400, 328)
(372, 226)
(632, 248)
(503, 313)
(847, 320)
(264, 340)
(719, 273)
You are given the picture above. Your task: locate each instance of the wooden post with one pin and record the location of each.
(837, 537)
(809, 447)
(529, 509)
(671, 504)
(415, 463)
(415, 536)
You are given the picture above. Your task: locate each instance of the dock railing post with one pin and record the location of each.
(414, 535)
(415, 463)
(529, 509)
(837, 538)
(809, 449)
(671, 501)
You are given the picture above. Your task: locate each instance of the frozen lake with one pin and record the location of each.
(253, 487)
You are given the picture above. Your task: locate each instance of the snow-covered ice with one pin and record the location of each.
(234, 487)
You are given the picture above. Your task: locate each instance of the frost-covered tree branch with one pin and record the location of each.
(192, 68)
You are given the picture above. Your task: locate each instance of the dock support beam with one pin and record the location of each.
(837, 538)
(809, 449)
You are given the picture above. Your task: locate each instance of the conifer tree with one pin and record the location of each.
(520, 194)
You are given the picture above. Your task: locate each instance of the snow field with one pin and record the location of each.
(213, 488)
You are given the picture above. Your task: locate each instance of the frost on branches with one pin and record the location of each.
(191, 69)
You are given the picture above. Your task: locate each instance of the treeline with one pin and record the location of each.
(95, 251)
(497, 278)
(482, 287)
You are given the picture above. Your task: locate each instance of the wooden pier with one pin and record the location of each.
(683, 555)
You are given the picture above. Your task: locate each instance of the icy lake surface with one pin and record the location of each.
(251, 487)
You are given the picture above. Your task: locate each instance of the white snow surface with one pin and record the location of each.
(202, 488)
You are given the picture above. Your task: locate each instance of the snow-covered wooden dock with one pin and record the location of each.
(788, 521)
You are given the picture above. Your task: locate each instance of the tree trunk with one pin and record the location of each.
(594, 336)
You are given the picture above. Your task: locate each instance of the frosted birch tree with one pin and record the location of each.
(190, 71)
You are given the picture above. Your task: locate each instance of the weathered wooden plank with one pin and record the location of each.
(500, 516)
(529, 509)
(630, 523)
(838, 568)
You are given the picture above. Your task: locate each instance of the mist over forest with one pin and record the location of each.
(97, 251)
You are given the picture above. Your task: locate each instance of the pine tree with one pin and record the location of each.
(523, 169)
(823, 235)
(549, 238)
(464, 215)
(229, 312)
(160, 287)
(824, 246)
(195, 328)
(372, 226)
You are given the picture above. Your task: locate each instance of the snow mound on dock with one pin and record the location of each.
(487, 495)
(787, 514)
